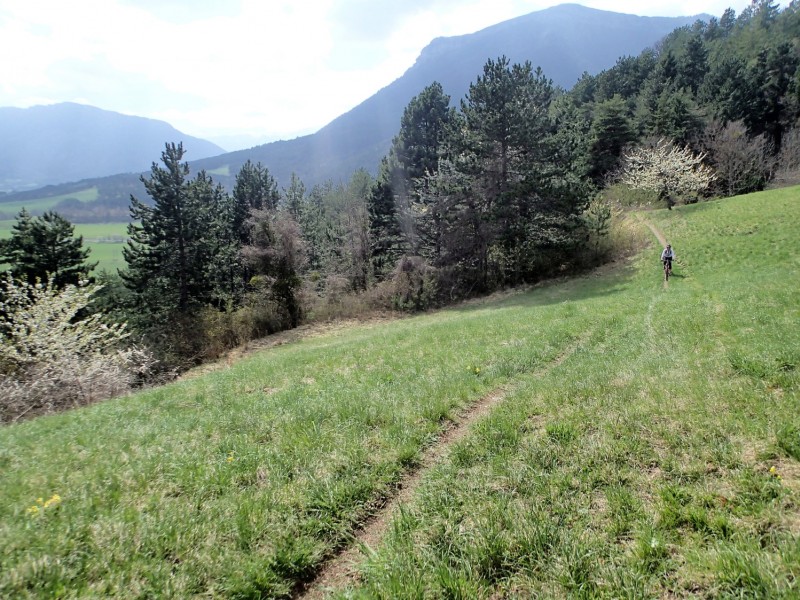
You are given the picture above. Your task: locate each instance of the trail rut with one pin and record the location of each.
(341, 570)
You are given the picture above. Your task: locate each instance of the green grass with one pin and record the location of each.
(223, 170)
(11, 209)
(106, 241)
(631, 457)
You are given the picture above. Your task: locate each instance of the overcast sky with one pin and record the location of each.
(269, 68)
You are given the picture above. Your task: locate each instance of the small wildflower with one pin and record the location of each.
(653, 543)
(33, 510)
(55, 499)
(230, 457)
(772, 469)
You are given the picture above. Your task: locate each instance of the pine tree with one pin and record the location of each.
(255, 189)
(168, 249)
(45, 248)
(295, 196)
(386, 242)
(610, 132)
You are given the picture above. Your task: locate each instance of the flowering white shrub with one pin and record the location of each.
(51, 358)
(666, 169)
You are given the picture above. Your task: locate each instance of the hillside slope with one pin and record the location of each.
(644, 442)
(67, 142)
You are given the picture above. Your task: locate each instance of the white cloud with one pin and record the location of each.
(277, 68)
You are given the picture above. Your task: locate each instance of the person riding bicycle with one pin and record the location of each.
(667, 256)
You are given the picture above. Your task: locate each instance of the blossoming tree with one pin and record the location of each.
(670, 171)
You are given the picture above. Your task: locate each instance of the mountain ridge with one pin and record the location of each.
(565, 40)
(68, 141)
(463, 60)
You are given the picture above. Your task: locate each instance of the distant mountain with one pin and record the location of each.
(65, 142)
(565, 40)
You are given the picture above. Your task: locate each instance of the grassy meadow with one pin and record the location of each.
(647, 446)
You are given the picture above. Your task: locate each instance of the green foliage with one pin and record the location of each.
(611, 131)
(415, 153)
(729, 70)
(255, 189)
(44, 248)
(167, 254)
(507, 194)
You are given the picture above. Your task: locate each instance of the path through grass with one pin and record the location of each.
(639, 466)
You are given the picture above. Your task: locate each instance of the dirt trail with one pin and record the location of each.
(659, 236)
(656, 232)
(341, 570)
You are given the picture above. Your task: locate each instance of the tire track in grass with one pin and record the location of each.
(656, 232)
(342, 568)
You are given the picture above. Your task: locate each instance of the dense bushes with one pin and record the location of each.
(51, 358)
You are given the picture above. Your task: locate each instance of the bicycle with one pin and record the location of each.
(667, 269)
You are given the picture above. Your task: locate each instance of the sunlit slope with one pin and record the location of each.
(659, 461)
(632, 450)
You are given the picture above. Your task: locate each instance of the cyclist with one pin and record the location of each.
(667, 256)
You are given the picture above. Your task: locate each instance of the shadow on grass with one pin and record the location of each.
(605, 281)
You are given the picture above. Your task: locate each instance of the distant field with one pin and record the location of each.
(106, 241)
(223, 170)
(11, 209)
(643, 442)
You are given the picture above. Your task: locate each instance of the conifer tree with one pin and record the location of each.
(295, 196)
(45, 248)
(255, 189)
(414, 154)
(168, 249)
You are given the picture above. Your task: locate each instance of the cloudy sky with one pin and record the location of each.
(266, 68)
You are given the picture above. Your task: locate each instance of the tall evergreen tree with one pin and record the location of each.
(414, 154)
(610, 132)
(386, 240)
(295, 196)
(500, 187)
(168, 249)
(255, 189)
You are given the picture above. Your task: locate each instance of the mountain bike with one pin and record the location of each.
(667, 269)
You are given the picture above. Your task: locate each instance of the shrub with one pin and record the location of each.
(53, 357)
(413, 284)
(218, 331)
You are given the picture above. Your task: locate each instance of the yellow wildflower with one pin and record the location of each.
(772, 469)
(53, 501)
(33, 510)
